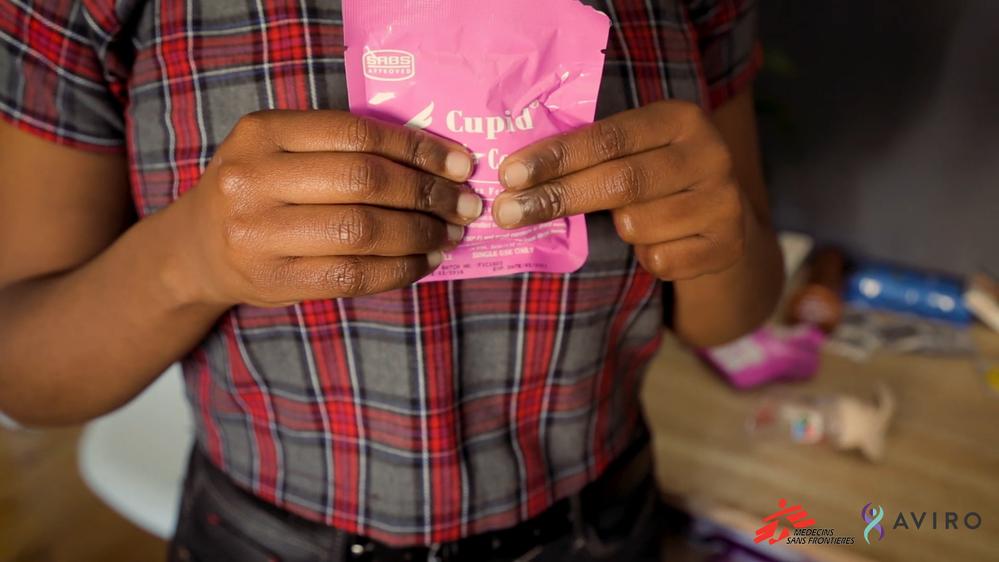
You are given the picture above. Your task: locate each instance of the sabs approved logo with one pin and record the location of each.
(389, 65)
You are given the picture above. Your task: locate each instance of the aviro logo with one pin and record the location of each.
(877, 520)
(873, 516)
(389, 65)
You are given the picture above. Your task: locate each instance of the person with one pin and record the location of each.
(181, 181)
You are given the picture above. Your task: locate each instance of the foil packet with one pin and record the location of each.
(495, 77)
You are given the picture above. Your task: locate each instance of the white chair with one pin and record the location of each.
(134, 459)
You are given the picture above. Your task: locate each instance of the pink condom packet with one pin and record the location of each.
(496, 76)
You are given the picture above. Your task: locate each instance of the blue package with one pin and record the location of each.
(892, 288)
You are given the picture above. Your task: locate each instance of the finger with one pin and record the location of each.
(320, 278)
(358, 178)
(338, 131)
(618, 136)
(338, 230)
(687, 258)
(699, 209)
(675, 217)
(619, 183)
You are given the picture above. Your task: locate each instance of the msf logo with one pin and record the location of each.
(773, 532)
(873, 516)
(389, 65)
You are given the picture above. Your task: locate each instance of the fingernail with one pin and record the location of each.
(459, 165)
(516, 175)
(455, 233)
(435, 259)
(469, 206)
(510, 213)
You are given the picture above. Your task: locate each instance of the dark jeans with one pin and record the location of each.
(220, 522)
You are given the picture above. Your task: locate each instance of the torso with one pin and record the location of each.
(418, 415)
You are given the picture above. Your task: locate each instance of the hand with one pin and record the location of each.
(305, 205)
(663, 171)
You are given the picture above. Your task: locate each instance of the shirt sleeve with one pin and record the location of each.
(56, 80)
(727, 38)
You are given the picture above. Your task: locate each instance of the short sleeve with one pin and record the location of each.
(728, 43)
(54, 77)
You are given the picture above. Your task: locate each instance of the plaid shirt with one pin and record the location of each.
(416, 416)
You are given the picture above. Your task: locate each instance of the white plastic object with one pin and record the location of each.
(135, 458)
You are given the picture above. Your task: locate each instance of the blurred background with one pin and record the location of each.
(880, 127)
(877, 382)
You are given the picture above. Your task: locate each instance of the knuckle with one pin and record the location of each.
(237, 233)
(263, 276)
(255, 269)
(353, 228)
(360, 134)
(421, 150)
(550, 203)
(347, 277)
(626, 183)
(401, 271)
(363, 174)
(738, 244)
(235, 178)
(556, 154)
(674, 162)
(659, 263)
(433, 231)
(732, 207)
(721, 159)
(734, 229)
(252, 124)
(610, 140)
(713, 244)
(425, 192)
(668, 263)
(627, 227)
(720, 251)
(690, 114)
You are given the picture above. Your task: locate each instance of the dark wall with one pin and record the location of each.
(881, 129)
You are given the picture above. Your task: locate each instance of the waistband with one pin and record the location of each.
(609, 504)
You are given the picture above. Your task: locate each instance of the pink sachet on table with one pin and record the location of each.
(769, 354)
(495, 76)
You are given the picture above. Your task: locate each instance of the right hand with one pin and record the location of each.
(309, 205)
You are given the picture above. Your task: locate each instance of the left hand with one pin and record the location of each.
(662, 170)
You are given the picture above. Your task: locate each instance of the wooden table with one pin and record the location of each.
(942, 454)
(48, 515)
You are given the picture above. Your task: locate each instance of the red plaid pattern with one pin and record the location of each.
(416, 416)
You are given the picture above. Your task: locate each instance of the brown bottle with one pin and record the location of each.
(820, 301)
